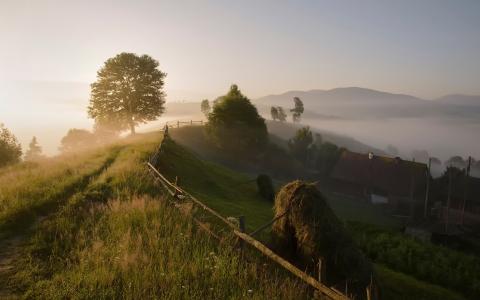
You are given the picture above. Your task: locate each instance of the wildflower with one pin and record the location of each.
(250, 291)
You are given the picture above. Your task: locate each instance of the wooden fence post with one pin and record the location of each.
(241, 224)
(320, 270)
(178, 124)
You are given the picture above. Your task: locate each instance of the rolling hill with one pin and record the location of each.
(356, 102)
(93, 225)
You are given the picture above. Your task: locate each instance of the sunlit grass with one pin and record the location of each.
(119, 238)
(32, 189)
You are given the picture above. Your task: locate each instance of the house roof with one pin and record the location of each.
(393, 176)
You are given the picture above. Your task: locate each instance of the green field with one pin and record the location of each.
(99, 228)
(94, 225)
(231, 194)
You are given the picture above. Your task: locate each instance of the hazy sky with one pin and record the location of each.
(420, 47)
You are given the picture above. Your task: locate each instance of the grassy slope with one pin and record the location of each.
(221, 188)
(231, 193)
(111, 237)
(117, 238)
(345, 208)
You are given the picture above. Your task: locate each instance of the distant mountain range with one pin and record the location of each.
(459, 99)
(364, 103)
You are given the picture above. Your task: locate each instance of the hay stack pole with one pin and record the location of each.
(308, 279)
(310, 232)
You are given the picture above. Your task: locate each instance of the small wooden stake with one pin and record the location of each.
(320, 267)
(241, 224)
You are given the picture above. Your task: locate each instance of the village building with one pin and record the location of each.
(397, 184)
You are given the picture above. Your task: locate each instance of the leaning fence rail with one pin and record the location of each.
(175, 191)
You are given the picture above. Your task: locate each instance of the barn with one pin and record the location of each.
(393, 182)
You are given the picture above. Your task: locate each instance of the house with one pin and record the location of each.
(397, 183)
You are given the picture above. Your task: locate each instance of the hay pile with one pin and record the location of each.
(310, 231)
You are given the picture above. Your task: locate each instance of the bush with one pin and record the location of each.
(265, 187)
(10, 149)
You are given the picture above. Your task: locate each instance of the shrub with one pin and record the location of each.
(265, 187)
(10, 149)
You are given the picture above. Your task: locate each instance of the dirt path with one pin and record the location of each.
(9, 254)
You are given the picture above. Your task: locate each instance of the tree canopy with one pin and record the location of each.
(274, 112)
(235, 125)
(300, 144)
(205, 107)
(278, 113)
(128, 92)
(10, 148)
(456, 161)
(34, 151)
(281, 115)
(77, 139)
(297, 111)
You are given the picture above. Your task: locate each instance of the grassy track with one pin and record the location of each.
(117, 238)
(35, 189)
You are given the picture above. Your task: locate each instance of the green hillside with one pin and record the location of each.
(234, 194)
(94, 225)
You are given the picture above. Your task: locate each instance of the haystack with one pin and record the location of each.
(309, 232)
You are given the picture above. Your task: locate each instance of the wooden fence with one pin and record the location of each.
(177, 123)
(180, 195)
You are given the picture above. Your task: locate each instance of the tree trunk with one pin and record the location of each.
(132, 128)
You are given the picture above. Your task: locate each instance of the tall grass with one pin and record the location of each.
(119, 238)
(31, 189)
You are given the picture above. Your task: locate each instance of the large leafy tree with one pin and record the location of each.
(10, 149)
(235, 125)
(128, 92)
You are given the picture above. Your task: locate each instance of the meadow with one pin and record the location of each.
(117, 237)
(95, 225)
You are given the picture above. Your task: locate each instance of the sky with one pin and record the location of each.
(50, 51)
(427, 48)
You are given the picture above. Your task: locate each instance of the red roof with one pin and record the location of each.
(393, 176)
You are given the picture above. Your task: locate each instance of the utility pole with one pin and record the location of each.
(412, 196)
(428, 187)
(448, 199)
(467, 175)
